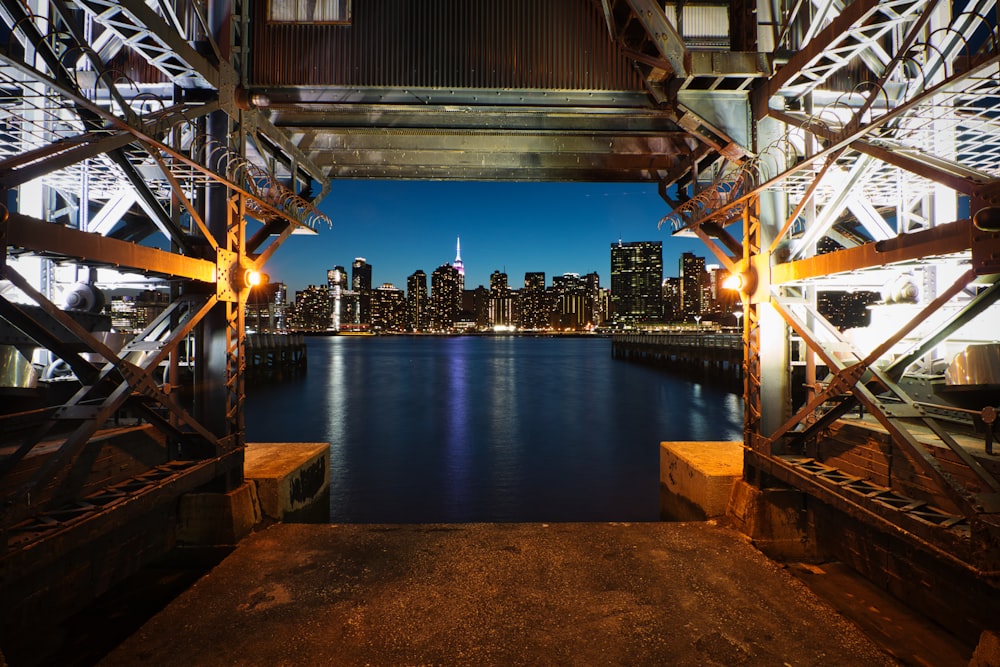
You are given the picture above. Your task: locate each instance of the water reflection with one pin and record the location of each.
(335, 411)
(488, 429)
(455, 402)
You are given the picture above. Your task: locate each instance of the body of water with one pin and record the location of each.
(458, 429)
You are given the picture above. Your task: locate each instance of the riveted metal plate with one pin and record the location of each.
(226, 262)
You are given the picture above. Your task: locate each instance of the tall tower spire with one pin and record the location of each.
(458, 263)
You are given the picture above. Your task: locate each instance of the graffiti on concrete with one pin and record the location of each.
(309, 482)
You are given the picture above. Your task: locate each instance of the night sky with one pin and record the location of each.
(402, 226)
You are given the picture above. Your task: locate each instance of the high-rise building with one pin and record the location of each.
(388, 308)
(595, 305)
(336, 283)
(261, 310)
(417, 313)
(361, 275)
(636, 278)
(672, 299)
(312, 309)
(361, 282)
(692, 270)
(280, 307)
(501, 304)
(534, 309)
(477, 302)
(445, 297)
(459, 266)
(578, 302)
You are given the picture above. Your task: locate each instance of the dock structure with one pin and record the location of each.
(275, 353)
(718, 354)
(816, 149)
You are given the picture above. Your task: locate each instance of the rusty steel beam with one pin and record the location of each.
(50, 238)
(893, 423)
(132, 18)
(662, 34)
(946, 239)
(144, 135)
(32, 164)
(103, 520)
(911, 530)
(855, 12)
(840, 142)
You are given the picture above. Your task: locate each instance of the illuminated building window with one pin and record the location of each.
(309, 11)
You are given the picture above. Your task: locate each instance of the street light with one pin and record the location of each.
(738, 315)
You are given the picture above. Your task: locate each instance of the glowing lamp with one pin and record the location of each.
(734, 282)
(253, 278)
(743, 280)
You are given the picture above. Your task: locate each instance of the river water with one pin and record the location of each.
(460, 429)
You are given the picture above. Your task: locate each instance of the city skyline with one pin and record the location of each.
(403, 226)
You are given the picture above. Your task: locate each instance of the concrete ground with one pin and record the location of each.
(498, 594)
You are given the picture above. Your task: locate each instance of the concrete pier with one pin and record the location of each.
(497, 594)
(696, 478)
(290, 477)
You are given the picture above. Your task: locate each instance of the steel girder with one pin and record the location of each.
(117, 159)
(915, 123)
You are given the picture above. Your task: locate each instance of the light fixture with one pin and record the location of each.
(987, 219)
(253, 278)
(743, 279)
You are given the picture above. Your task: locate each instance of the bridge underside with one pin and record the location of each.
(174, 146)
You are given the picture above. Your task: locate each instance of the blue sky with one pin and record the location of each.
(402, 226)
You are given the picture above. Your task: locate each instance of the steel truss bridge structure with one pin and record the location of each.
(814, 145)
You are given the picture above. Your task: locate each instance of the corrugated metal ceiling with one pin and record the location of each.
(482, 44)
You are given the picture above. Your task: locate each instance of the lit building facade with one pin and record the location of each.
(692, 270)
(261, 308)
(336, 283)
(445, 297)
(361, 282)
(388, 308)
(417, 306)
(636, 282)
(672, 300)
(131, 314)
(459, 265)
(501, 301)
(534, 302)
(311, 311)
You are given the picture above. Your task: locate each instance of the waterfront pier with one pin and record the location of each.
(715, 353)
(275, 354)
(817, 150)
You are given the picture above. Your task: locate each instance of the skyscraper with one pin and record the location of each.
(361, 275)
(445, 297)
(336, 283)
(636, 279)
(501, 306)
(416, 301)
(459, 266)
(388, 308)
(534, 309)
(692, 270)
(361, 283)
(672, 299)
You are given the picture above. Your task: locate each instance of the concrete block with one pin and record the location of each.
(290, 476)
(696, 478)
(212, 519)
(775, 520)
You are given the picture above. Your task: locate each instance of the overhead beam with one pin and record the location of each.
(49, 238)
(946, 239)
